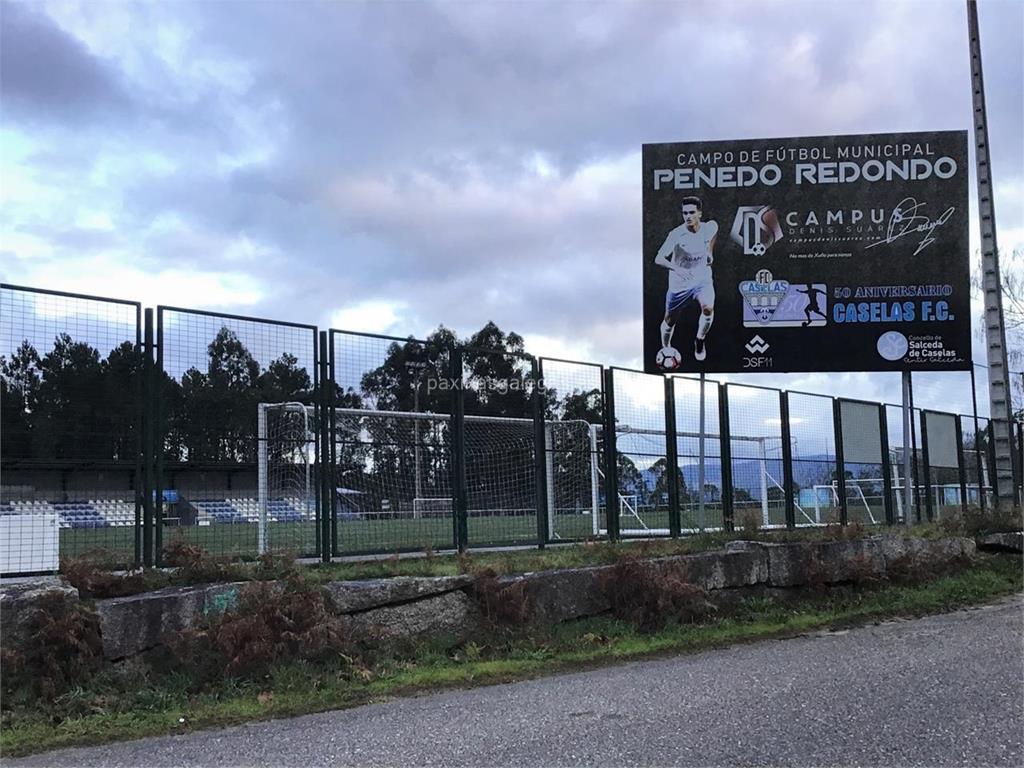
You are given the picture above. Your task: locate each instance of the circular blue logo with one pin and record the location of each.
(892, 345)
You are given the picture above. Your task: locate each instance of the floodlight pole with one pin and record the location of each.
(995, 331)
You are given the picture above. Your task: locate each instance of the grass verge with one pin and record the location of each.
(134, 704)
(91, 569)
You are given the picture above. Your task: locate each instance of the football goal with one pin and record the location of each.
(286, 454)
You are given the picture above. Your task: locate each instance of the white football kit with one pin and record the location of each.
(690, 253)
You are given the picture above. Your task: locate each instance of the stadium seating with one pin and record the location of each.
(114, 513)
(94, 513)
(79, 514)
(218, 511)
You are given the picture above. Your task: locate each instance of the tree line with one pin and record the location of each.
(71, 404)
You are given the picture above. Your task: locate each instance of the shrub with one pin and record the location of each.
(196, 566)
(918, 568)
(274, 565)
(976, 522)
(862, 572)
(270, 623)
(60, 647)
(95, 580)
(503, 605)
(649, 595)
(816, 578)
(750, 522)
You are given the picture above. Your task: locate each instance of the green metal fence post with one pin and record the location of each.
(991, 451)
(961, 469)
(787, 460)
(460, 523)
(672, 459)
(331, 459)
(326, 475)
(883, 431)
(142, 446)
(977, 442)
(611, 458)
(926, 469)
(725, 453)
(149, 481)
(540, 456)
(158, 429)
(837, 421)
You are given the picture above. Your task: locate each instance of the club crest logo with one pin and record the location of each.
(756, 228)
(763, 295)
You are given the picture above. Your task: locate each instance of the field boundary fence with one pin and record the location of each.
(132, 433)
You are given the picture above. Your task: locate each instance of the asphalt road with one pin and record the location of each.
(944, 690)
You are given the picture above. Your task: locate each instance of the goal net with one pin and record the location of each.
(391, 477)
(643, 487)
(286, 455)
(397, 465)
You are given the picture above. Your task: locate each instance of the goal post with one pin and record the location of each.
(284, 467)
(637, 519)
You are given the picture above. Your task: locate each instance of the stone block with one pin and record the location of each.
(358, 596)
(726, 570)
(557, 596)
(449, 618)
(133, 624)
(840, 561)
(895, 547)
(19, 600)
(788, 564)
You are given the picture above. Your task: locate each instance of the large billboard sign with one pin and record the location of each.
(834, 253)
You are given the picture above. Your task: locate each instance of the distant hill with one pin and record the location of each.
(807, 471)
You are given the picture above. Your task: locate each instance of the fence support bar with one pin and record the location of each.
(611, 460)
(672, 458)
(458, 447)
(961, 470)
(725, 454)
(837, 420)
(787, 461)
(326, 477)
(926, 468)
(149, 481)
(540, 458)
(887, 500)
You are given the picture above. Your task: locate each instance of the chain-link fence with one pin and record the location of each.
(500, 439)
(127, 432)
(573, 399)
(643, 471)
(755, 438)
(391, 464)
(70, 383)
(813, 441)
(234, 467)
(698, 453)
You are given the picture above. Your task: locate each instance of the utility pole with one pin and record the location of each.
(995, 332)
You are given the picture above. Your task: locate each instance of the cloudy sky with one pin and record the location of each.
(393, 166)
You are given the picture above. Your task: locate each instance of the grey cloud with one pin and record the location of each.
(45, 73)
(457, 92)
